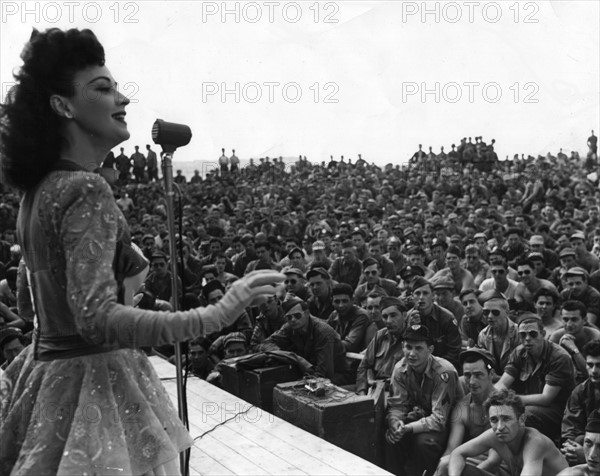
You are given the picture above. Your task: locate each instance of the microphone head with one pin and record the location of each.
(170, 135)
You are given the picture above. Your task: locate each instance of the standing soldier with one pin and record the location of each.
(152, 164)
(139, 164)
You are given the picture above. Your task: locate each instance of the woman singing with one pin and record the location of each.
(82, 399)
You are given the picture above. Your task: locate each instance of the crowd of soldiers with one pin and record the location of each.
(469, 287)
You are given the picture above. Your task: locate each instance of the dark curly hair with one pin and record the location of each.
(30, 141)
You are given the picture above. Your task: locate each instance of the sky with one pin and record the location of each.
(317, 79)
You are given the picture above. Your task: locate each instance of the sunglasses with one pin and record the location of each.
(493, 312)
(532, 334)
(524, 273)
(370, 273)
(296, 316)
(498, 271)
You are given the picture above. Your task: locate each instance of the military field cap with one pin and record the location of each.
(419, 283)
(478, 352)
(593, 422)
(566, 252)
(576, 271)
(408, 272)
(528, 316)
(417, 333)
(443, 283)
(389, 301)
(318, 271)
(536, 240)
(578, 235)
(234, 337)
(289, 270)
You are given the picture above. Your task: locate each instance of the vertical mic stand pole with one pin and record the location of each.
(167, 170)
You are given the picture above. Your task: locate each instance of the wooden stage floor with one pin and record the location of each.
(236, 438)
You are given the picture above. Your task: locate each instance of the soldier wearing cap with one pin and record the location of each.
(468, 419)
(385, 349)
(424, 390)
(268, 321)
(444, 292)
(542, 374)
(439, 321)
(348, 320)
(537, 244)
(312, 339)
(320, 258)
(320, 304)
(582, 402)
(295, 284)
(577, 287)
(374, 282)
(591, 450)
(567, 261)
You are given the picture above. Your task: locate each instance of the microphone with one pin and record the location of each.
(170, 135)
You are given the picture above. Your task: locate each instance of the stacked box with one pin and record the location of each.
(256, 385)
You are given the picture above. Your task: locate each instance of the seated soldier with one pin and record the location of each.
(348, 320)
(439, 321)
(574, 335)
(542, 375)
(385, 350)
(577, 288)
(546, 304)
(582, 402)
(374, 282)
(295, 284)
(268, 321)
(524, 450)
(234, 344)
(320, 303)
(501, 336)
(424, 390)
(312, 339)
(472, 322)
(468, 418)
(529, 283)
(591, 450)
(443, 291)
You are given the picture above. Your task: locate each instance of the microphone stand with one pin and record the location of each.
(167, 170)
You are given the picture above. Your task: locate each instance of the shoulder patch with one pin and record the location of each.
(444, 376)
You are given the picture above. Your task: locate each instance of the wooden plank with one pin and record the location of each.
(256, 442)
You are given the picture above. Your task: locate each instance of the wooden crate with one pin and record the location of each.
(340, 416)
(256, 385)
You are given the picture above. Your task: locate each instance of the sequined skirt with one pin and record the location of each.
(104, 414)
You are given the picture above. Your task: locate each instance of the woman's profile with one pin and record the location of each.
(82, 399)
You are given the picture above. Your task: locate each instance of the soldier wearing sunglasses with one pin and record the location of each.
(541, 372)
